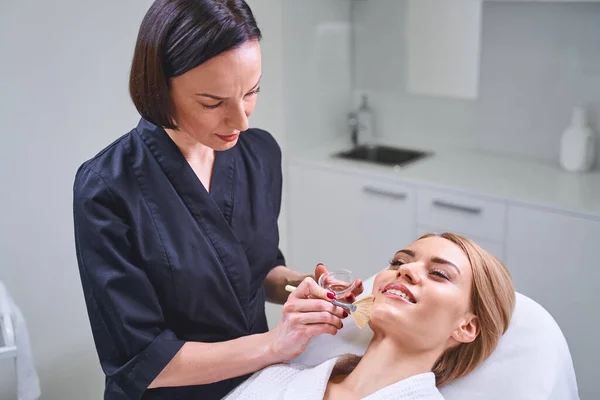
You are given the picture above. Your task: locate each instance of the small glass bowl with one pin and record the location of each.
(340, 281)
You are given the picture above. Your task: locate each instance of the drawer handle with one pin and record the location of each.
(457, 207)
(384, 193)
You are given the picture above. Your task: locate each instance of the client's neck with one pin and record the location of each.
(384, 364)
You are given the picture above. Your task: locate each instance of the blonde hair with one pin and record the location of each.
(492, 302)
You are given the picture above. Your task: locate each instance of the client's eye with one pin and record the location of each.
(440, 274)
(395, 264)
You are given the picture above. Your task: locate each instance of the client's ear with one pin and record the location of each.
(468, 329)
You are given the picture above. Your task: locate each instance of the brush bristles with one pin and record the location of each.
(363, 311)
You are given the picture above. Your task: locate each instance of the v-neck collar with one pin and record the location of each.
(311, 383)
(212, 211)
(174, 163)
(222, 182)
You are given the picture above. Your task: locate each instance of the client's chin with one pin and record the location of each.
(388, 319)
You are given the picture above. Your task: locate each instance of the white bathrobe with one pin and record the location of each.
(297, 382)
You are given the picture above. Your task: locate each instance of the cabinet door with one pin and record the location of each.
(387, 223)
(553, 259)
(323, 218)
(346, 220)
(460, 213)
(492, 247)
(444, 46)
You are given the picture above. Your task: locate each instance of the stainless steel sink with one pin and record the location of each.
(383, 155)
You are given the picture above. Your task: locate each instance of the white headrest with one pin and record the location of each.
(532, 360)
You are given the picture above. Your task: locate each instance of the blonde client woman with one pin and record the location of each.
(439, 311)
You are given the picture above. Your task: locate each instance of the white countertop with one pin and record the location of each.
(484, 174)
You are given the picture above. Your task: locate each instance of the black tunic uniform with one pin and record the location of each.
(162, 261)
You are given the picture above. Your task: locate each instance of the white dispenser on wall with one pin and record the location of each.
(578, 144)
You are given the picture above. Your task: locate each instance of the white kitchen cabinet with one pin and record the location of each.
(322, 226)
(554, 259)
(470, 215)
(492, 247)
(481, 220)
(346, 220)
(387, 221)
(443, 47)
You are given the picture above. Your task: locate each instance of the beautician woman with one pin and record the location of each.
(176, 221)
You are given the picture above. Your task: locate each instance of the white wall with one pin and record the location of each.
(63, 97)
(538, 60)
(306, 85)
(317, 68)
(269, 113)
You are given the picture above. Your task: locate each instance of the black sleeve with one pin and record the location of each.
(126, 318)
(280, 259)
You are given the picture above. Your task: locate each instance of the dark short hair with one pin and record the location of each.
(176, 36)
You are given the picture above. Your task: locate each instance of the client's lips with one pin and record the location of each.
(399, 290)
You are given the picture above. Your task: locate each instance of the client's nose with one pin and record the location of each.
(408, 272)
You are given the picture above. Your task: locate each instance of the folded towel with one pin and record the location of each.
(28, 384)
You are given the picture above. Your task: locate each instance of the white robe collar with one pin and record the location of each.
(311, 384)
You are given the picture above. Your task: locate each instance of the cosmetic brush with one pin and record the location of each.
(360, 309)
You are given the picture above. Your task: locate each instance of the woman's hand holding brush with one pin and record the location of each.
(308, 312)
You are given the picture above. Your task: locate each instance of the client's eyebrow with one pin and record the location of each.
(436, 260)
(215, 97)
(408, 252)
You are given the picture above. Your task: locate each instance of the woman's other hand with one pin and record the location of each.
(350, 297)
(308, 312)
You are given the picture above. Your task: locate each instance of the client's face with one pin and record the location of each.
(423, 299)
